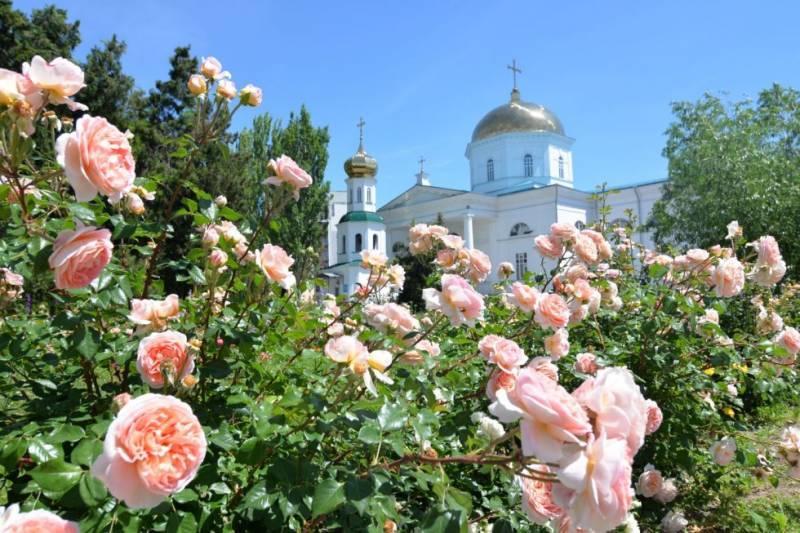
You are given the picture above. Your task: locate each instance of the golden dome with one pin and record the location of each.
(517, 116)
(361, 164)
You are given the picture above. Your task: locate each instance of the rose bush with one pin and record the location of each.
(616, 379)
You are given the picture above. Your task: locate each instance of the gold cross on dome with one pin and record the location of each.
(421, 164)
(360, 126)
(515, 70)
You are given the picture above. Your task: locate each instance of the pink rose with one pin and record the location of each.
(557, 344)
(550, 247)
(582, 290)
(650, 482)
(723, 451)
(36, 521)
(789, 339)
(453, 242)
(197, 84)
(373, 259)
(618, 405)
(457, 300)
(654, 417)
(164, 352)
(768, 321)
(585, 249)
(507, 355)
(345, 349)
(218, 258)
(10, 87)
(770, 266)
(275, 263)
(768, 251)
(564, 231)
(153, 314)
(500, 380)
(697, 256)
(537, 497)
(487, 343)
(152, 449)
(544, 366)
(97, 158)
(576, 272)
(577, 312)
(392, 317)
(226, 89)
(212, 68)
(479, 265)
(586, 363)
(603, 247)
(668, 492)
(550, 417)
(79, 256)
(728, 277)
(288, 172)
(524, 296)
(250, 96)
(60, 77)
(551, 311)
(595, 487)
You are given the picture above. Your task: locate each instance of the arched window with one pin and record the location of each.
(520, 228)
(528, 165)
(344, 244)
(358, 195)
(359, 244)
(561, 167)
(490, 170)
(375, 242)
(369, 195)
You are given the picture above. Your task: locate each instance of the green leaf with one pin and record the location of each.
(369, 434)
(392, 417)
(186, 495)
(327, 496)
(439, 520)
(257, 498)
(358, 492)
(92, 490)
(56, 475)
(42, 451)
(252, 451)
(86, 451)
(66, 433)
(182, 522)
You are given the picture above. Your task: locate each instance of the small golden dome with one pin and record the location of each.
(361, 164)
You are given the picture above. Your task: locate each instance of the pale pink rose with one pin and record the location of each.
(603, 247)
(275, 263)
(152, 449)
(36, 521)
(673, 522)
(487, 343)
(392, 317)
(134, 203)
(723, 451)
(564, 231)
(345, 349)
(618, 405)
(457, 300)
(397, 276)
(768, 276)
(586, 363)
(557, 344)
(550, 247)
(210, 237)
(121, 400)
(668, 492)
(789, 339)
(576, 272)
(164, 351)
(608, 291)
(550, 417)
(507, 355)
(696, 256)
(251, 96)
(429, 347)
(544, 366)
(197, 85)
(288, 172)
(217, 258)
(373, 259)
(595, 488)
(97, 158)
(768, 321)
(153, 314)
(552, 311)
(212, 68)
(728, 277)
(479, 265)
(734, 230)
(768, 251)
(500, 380)
(505, 270)
(654, 417)
(770, 266)
(585, 249)
(537, 497)
(582, 290)
(60, 77)
(422, 237)
(613, 273)
(577, 312)
(650, 482)
(226, 89)
(446, 258)
(10, 90)
(230, 232)
(80, 256)
(11, 285)
(454, 242)
(524, 296)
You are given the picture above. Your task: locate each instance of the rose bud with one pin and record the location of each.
(197, 85)
(250, 96)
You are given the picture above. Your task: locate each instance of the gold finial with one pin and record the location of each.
(421, 165)
(514, 70)
(360, 126)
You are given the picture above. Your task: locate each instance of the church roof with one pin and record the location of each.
(420, 193)
(361, 216)
(517, 116)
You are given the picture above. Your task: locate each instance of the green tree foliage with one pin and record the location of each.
(47, 32)
(108, 88)
(733, 161)
(299, 229)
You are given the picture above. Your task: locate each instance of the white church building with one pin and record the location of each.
(520, 182)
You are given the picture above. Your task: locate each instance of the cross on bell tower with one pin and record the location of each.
(360, 127)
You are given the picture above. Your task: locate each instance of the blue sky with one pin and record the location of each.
(422, 73)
